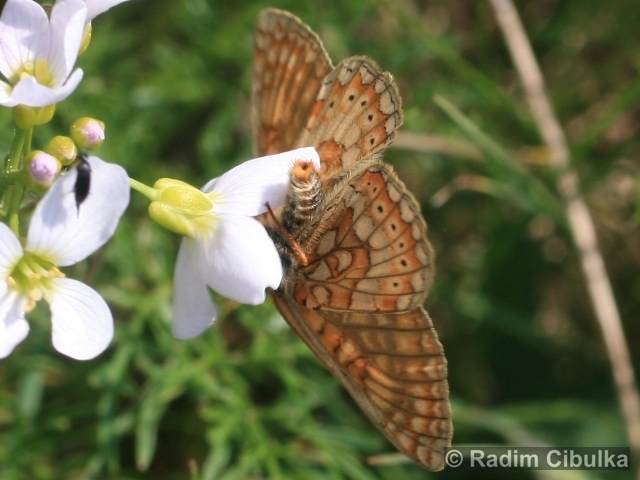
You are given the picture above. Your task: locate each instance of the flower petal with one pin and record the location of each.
(81, 322)
(10, 252)
(96, 7)
(245, 189)
(65, 233)
(33, 94)
(193, 309)
(68, 19)
(241, 260)
(24, 35)
(5, 95)
(13, 327)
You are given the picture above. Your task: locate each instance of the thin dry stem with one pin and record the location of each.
(419, 142)
(580, 220)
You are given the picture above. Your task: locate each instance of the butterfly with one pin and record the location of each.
(357, 263)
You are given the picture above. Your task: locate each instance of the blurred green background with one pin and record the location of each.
(247, 400)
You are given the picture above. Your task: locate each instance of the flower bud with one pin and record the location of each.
(27, 117)
(88, 133)
(63, 149)
(43, 167)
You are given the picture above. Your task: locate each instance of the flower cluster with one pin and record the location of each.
(61, 235)
(224, 247)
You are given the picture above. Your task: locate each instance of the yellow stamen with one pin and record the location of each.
(43, 73)
(32, 277)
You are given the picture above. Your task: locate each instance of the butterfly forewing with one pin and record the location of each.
(394, 367)
(356, 303)
(371, 254)
(290, 64)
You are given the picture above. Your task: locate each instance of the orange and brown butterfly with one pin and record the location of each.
(357, 262)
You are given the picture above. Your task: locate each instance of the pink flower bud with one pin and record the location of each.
(88, 133)
(43, 167)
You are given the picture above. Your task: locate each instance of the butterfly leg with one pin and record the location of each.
(285, 244)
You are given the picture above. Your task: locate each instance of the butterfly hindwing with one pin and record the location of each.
(393, 366)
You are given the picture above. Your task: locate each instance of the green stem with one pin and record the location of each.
(7, 179)
(13, 162)
(149, 192)
(28, 137)
(14, 196)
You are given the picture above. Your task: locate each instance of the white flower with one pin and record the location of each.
(37, 53)
(61, 234)
(230, 251)
(96, 7)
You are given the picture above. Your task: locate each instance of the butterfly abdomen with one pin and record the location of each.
(305, 198)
